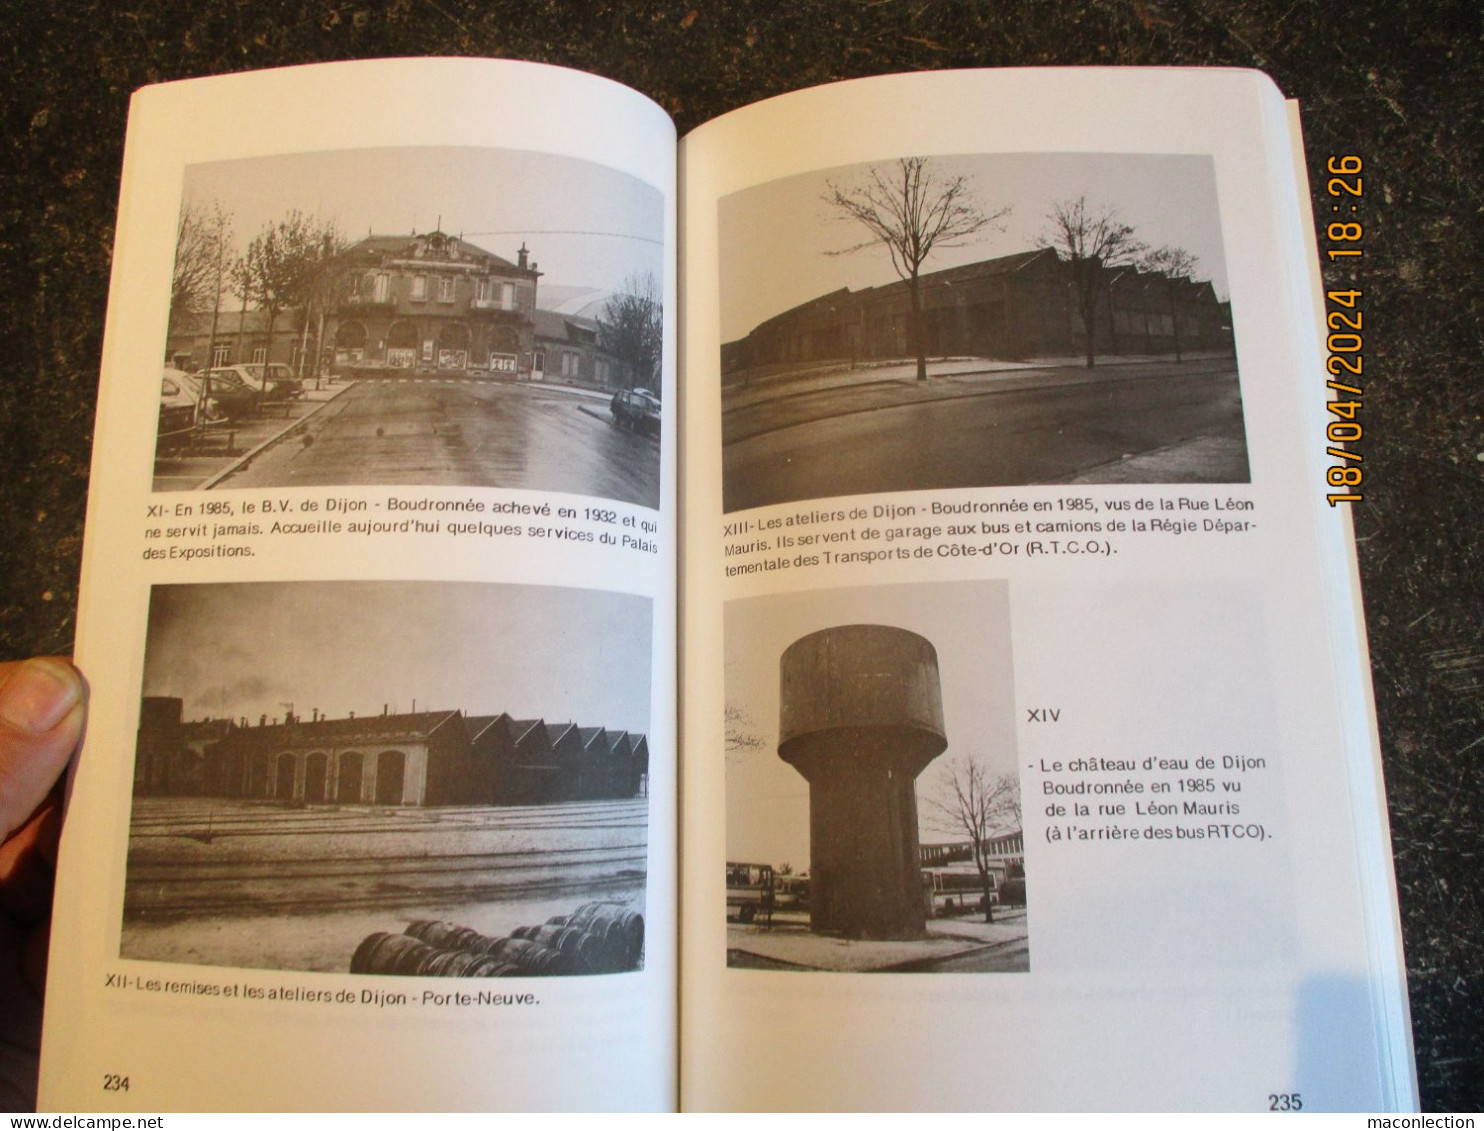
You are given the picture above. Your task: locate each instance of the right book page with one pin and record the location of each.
(1028, 757)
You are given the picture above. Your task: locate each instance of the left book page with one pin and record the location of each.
(376, 807)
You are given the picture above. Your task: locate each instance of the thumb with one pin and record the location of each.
(41, 711)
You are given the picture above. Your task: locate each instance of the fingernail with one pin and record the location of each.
(38, 695)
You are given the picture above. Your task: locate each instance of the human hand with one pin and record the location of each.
(41, 713)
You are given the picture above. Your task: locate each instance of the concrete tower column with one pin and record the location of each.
(861, 715)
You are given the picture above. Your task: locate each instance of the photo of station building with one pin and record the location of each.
(423, 758)
(433, 301)
(1013, 307)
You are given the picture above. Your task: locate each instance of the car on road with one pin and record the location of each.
(241, 389)
(637, 410)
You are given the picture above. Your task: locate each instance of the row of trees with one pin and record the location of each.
(911, 210)
(289, 265)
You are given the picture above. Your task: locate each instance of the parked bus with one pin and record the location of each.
(750, 890)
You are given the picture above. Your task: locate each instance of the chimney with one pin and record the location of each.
(314, 711)
(262, 720)
(521, 262)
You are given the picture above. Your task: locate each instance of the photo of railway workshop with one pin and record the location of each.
(487, 816)
(974, 321)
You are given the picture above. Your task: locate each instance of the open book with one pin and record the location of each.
(842, 611)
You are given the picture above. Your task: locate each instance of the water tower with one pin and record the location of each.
(861, 715)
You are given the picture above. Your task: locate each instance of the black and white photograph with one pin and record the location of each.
(392, 778)
(927, 323)
(415, 316)
(872, 784)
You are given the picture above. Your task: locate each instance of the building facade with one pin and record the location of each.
(569, 349)
(405, 759)
(1014, 307)
(432, 302)
(422, 303)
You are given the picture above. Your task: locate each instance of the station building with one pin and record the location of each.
(433, 302)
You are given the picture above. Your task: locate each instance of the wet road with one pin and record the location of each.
(989, 438)
(458, 432)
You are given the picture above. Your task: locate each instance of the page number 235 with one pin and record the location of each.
(1277, 1101)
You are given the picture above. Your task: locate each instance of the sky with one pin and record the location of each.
(967, 622)
(774, 237)
(585, 224)
(565, 655)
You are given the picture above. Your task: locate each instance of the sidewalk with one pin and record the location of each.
(792, 944)
(780, 385)
(756, 411)
(197, 469)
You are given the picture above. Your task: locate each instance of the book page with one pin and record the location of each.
(1028, 760)
(378, 607)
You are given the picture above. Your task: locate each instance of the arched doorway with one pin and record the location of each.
(504, 346)
(232, 770)
(316, 777)
(391, 769)
(348, 779)
(260, 778)
(350, 343)
(401, 345)
(453, 346)
(283, 784)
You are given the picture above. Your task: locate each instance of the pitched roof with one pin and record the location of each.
(340, 732)
(376, 247)
(550, 324)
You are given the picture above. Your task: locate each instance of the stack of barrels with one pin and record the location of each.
(597, 938)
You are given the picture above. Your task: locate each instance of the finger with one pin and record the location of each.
(41, 710)
(28, 865)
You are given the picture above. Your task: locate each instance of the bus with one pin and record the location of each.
(750, 890)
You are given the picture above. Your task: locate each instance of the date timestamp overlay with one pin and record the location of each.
(1344, 338)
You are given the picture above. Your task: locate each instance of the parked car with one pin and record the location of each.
(177, 406)
(183, 405)
(240, 389)
(281, 382)
(638, 410)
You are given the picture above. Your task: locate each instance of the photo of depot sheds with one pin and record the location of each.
(415, 316)
(921, 323)
(392, 778)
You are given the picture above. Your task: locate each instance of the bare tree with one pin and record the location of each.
(200, 240)
(911, 210)
(1177, 267)
(978, 804)
(1092, 241)
(285, 265)
(740, 736)
(631, 328)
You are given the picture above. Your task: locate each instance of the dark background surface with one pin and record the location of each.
(1399, 84)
